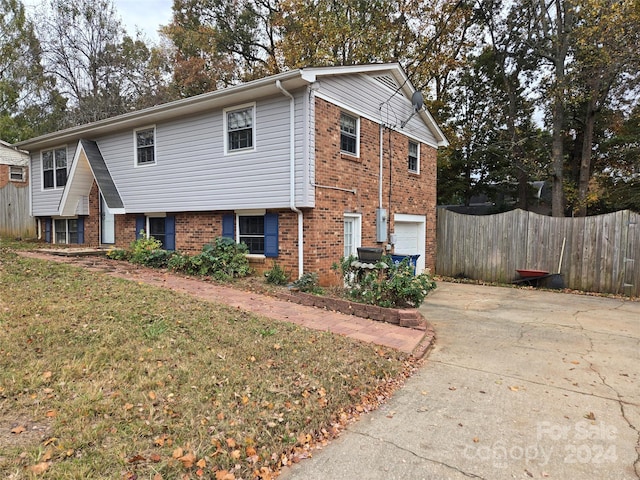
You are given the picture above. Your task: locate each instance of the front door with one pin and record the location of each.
(107, 223)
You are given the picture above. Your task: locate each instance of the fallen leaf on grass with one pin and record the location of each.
(47, 375)
(19, 429)
(177, 453)
(225, 475)
(38, 468)
(51, 413)
(50, 441)
(136, 459)
(187, 460)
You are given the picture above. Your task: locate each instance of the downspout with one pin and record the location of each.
(380, 179)
(292, 176)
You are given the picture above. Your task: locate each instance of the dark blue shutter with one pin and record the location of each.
(47, 230)
(228, 227)
(271, 235)
(140, 224)
(170, 233)
(80, 230)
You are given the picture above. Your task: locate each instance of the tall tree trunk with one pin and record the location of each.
(557, 151)
(585, 162)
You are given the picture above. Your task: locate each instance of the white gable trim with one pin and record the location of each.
(70, 198)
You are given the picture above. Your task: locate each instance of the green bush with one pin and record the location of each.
(223, 259)
(147, 251)
(118, 254)
(384, 283)
(308, 282)
(276, 275)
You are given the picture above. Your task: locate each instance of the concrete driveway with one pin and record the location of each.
(521, 384)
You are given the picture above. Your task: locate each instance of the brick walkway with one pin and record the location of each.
(408, 340)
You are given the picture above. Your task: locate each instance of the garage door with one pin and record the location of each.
(410, 237)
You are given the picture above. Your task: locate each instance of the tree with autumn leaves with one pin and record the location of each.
(525, 89)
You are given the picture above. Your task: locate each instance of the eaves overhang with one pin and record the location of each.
(263, 87)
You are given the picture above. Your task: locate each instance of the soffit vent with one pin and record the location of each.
(387, 80)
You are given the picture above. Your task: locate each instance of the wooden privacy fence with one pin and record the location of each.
(601, 253)
(15, 220)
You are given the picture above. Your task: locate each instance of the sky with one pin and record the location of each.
(146, 15)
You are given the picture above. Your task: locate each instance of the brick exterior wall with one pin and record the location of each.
(5, 177)
(411, 193)
(403, 192)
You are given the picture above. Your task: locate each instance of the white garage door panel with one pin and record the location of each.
(407, 239)
(410, 237)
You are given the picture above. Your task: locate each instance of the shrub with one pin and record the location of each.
(276, 275)
(118, 254)
(147, 251)
(223, 259)
(308, 282)
(383, 283)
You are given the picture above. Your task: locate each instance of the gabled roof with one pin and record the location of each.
(290, 80)
(88, 165)
(9, 155)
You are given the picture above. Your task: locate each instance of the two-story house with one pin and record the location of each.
(304, 167)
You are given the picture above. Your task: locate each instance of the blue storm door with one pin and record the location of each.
(107, 223)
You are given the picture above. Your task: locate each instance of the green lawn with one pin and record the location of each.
(105, 378)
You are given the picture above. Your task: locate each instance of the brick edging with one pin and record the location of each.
(405, 317)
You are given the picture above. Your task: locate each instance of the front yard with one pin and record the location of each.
(105, 378)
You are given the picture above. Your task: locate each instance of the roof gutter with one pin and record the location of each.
(292, 176)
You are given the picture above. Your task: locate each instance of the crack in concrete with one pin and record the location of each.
(569, 327)
(534, 382)
(618, 399)
(421, 457)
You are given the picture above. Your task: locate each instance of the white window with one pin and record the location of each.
(239, 125)
(65, 230)
(349, 133)
(251, 232)
(16, 174)
(54, 168)
(145, 146)
(414, 157)
(352, 234)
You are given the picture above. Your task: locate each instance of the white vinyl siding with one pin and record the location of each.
(45, 202)
(364, 96)
(196, 175)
